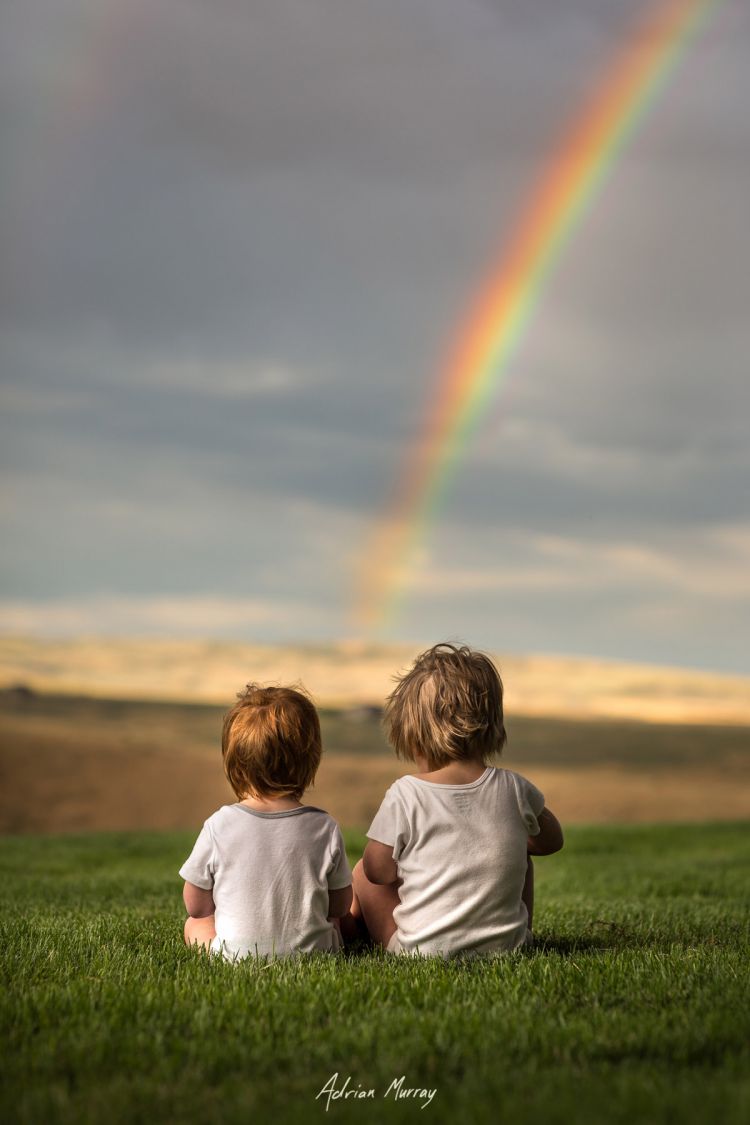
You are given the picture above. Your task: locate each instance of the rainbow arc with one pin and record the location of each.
(501, 313)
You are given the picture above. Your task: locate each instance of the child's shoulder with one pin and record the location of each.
(313, 814)
(222, 816)
(517, 783)
(239, 814)
(504, 774)
(409, 788)
(408, 782)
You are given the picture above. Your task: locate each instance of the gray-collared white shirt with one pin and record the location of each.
(270, 873)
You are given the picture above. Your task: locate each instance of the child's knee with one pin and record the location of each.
(199, 931)
(358, 874)
(361, 885)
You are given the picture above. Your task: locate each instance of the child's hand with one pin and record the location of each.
(550, 837)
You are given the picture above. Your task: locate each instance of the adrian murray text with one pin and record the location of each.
(398, 1090)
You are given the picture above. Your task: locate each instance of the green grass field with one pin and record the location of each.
(632, 1008)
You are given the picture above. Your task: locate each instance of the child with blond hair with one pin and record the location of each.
(447, 868)
(268, 876)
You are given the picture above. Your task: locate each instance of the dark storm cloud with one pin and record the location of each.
(237, 243)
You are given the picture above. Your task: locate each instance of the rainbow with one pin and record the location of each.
(501, 314)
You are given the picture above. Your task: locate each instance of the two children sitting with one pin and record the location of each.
(447, 869)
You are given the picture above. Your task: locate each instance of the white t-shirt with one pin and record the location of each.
(461, 851)
(270, 873)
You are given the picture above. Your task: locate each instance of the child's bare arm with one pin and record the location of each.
(379, 864)
(339, 902)
(198, 903)
(550, 838)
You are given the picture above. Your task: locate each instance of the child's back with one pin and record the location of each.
(447, 866)
(461, 853)
(268, 875)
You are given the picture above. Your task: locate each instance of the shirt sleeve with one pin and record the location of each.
(390, 824)
(199, 868)
(339, 874)
(530, 803)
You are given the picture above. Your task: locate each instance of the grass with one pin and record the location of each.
(633, 1007)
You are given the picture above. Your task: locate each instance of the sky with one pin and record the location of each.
(238, 240)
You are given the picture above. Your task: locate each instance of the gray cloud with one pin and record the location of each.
(238, 242)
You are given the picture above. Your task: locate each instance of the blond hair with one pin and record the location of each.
(270, 742)
(448, 706)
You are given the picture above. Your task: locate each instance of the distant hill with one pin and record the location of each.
(349, 674)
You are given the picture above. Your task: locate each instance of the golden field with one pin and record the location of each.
(126, 734)
(72, 764)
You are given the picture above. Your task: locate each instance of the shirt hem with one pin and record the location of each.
(196, 881)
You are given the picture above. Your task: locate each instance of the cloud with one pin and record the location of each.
(713, 564)
(223, 379)
(239, 244)
(159, 616)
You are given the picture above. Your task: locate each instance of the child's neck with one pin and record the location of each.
(460, 772)
(271, 804)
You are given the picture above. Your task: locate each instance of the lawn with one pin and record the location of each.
(632, 1008)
